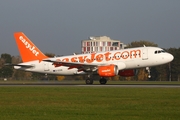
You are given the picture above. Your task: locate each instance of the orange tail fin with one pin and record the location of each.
(27, 49)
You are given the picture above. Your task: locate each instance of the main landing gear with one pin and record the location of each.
(89, 80)
(103, 80)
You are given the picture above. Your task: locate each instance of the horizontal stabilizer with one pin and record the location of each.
(20, 65)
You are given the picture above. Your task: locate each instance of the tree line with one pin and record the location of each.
(166, 72)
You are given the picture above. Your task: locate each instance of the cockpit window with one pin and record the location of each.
(159, 51)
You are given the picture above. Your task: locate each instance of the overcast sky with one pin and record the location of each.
(58, 26)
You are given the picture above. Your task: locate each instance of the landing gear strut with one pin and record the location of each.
(148, 70)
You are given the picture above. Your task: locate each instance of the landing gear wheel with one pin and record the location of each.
(102, 81)
(89, 81)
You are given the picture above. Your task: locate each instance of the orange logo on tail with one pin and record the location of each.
(32, 49)
(27, 49)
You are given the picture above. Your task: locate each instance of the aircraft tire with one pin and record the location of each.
(103, 81)
(89, 81)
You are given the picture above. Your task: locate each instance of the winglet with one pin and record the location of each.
(27, 49)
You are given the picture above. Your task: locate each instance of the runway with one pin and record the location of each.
(134, 86)
(93, 85)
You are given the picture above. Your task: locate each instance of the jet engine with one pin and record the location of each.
(108, 71)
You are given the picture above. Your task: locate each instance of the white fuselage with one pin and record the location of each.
(125, 59)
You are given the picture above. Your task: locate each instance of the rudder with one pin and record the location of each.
(28, 51)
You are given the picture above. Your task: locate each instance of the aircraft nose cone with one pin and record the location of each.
(171, 57)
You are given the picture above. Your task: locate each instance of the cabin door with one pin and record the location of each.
(145, 54)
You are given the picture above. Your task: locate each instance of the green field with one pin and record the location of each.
(88, 103)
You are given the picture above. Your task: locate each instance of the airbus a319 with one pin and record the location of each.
(106, 64)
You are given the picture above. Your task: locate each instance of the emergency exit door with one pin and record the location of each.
(46, 66)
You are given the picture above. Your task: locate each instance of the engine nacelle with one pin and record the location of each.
(108, 71)
(127, 73)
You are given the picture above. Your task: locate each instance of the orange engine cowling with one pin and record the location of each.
(108, 71)
(127, 73)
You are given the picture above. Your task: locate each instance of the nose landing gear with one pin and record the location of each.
(148, 70)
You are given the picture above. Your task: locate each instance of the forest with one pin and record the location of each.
(166, 72)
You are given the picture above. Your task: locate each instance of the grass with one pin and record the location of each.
(87, 103)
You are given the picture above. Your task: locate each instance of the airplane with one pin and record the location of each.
(122, 62)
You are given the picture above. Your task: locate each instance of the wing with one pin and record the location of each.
(80, 66)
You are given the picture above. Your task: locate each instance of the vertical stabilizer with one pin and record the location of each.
(27, 49)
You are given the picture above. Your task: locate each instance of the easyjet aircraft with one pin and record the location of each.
(106, 64)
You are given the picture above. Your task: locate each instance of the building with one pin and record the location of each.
(99, 44)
